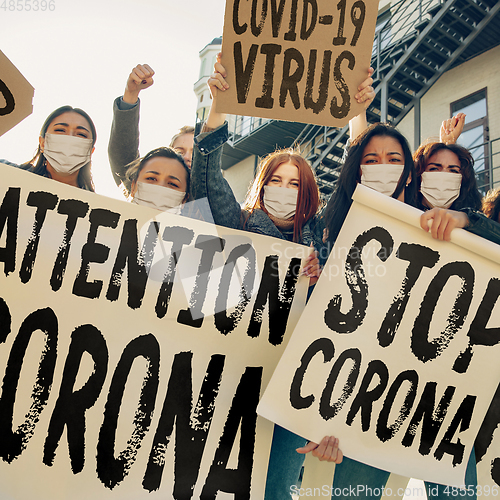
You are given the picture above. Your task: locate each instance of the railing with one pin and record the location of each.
(309, 137)
(241, 126)
(487, 164)
(397, 28)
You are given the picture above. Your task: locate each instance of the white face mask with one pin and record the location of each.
(440, 189)
(280, 202)
(160, 197)
(382, 178)
(66, 153)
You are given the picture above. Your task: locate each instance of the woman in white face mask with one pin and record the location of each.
(285, 190)
(445, 177)
(159, 180)
(447, 187)
(379, 158)
(66, 144)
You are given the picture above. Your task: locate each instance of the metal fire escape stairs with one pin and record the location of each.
(416, 42)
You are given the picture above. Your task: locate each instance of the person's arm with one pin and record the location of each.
(216, 83)
(123, 146)
(482, 226)
(443, 221)
(207, 180)
(451, 129)
(359, 123)
(365, 95)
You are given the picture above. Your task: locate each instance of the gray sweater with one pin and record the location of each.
(123, 146)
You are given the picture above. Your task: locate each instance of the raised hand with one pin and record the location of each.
(451, 129)
(217, 83)
(139, 79)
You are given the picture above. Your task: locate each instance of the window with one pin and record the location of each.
(475, 135)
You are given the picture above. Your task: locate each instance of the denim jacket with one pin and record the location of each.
(207, 182)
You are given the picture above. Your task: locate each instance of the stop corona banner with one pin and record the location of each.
(396, 353)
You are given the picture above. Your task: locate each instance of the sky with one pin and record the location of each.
(82, 52)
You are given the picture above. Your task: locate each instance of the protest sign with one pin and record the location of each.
(396, 353)
(134, 347)
(296, 61)
(16, 95)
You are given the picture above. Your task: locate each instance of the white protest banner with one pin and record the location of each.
(397, 352)
(134, 347)
(16, 95)
(296, 61)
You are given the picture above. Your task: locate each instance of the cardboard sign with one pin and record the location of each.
(134, 347)
(16, 95)
(296, 60)
(397, 352)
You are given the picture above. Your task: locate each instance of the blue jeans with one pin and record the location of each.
(352, 480)
(284, 464)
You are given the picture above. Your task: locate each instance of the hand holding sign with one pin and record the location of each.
(16, 95)
(328, 450)
(217, 85)
(217, 79)
(365, 96)
(366, 92)
(441, 222)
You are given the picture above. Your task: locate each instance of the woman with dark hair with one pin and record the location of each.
(379, 158)
(445, 185)
(448, 191)
(66, 144)
(446, 177)
(160, 180)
